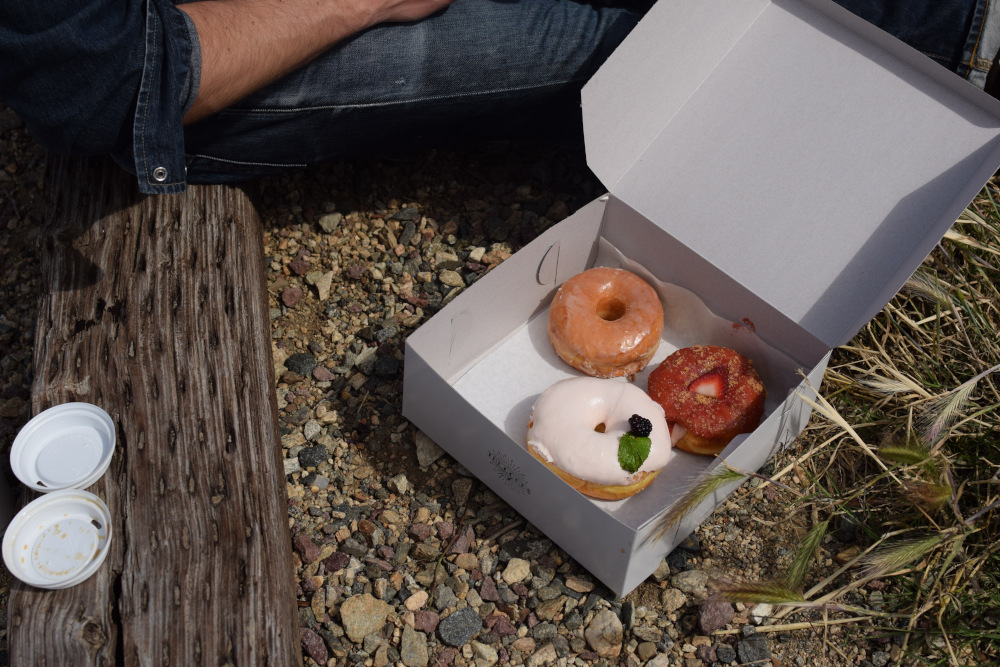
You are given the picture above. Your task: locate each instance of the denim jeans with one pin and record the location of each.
(479, 69)
(962, 35)
(116, 76)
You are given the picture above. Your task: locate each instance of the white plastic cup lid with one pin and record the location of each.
(59, 539)
(68, 446)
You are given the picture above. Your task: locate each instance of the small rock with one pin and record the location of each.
(725, 653)
(847, 555)
(310, 457)
(715, 615)
(329, 222)
(311, 429)
(662, 571)
(517, 570)
(362, 615)
(604, 634)
(672, 599)
(579, 585)
(706, 654)
(290, 296)
(488, 590)
(427, 450)
(399, 484)
(543, 656)
(485, 653)
(323, 285)
(880, 658)
(761, 612)
(307, 548)
(313, 645)
(416, 601)
(302, 363)
(692, 582)
(646, 650)
(754, 648)
(460, 627)
(451, 279)
(425, 620)
(292, 466)
(461, 488)
(413, 648)
(336, 561)
(322, 374)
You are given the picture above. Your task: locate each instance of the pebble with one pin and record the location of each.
(399, 484)
(517, 570)
(290, 296)
(543, 656)
(460, 627)
(313, 645)
(416, 601)
(306, 548)
(301, 362)
(361, 615)
(753, 648)
(413, 648)
(604, 634)
(692, 582)
(311, 457)
(485, 653)
(428, 451)
(672, 599)
(761, 613)
(725, 654)
(715, 615)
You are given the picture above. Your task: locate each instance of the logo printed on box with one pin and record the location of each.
(508, 472)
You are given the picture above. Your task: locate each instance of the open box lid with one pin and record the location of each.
(813, 158)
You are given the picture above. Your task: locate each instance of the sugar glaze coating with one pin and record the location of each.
(606, 322)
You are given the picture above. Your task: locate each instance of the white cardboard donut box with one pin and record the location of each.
(777, 169)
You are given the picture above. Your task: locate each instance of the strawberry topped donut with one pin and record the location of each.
(606, 322)
(713, 393)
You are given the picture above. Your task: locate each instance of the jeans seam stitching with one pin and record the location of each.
(326, 107)
(242, 162)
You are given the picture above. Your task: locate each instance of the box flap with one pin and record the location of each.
(813, 158)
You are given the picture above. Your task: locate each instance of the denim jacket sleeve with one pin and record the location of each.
(97, 77)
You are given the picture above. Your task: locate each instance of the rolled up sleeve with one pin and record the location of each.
(103, 77)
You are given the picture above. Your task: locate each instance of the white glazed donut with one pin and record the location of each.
(575, 429)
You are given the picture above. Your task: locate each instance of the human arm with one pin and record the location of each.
(246, 44)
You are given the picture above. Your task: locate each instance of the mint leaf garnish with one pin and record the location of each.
(632, 451)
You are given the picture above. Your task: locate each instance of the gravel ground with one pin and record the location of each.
(360, 253)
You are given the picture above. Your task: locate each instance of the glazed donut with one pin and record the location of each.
(712, 392)
(606, 322)
(576, 430)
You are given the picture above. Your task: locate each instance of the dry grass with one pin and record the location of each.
(905, 450)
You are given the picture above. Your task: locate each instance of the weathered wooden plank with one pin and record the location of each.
(155, 309)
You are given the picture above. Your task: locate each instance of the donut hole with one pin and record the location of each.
(600, 428)
(611, 309)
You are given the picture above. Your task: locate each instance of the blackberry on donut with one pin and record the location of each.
(713, 393)
(606, 322)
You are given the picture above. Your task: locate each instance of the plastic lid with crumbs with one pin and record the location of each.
(59, 539)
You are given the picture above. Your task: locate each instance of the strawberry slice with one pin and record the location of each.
(711, 384)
